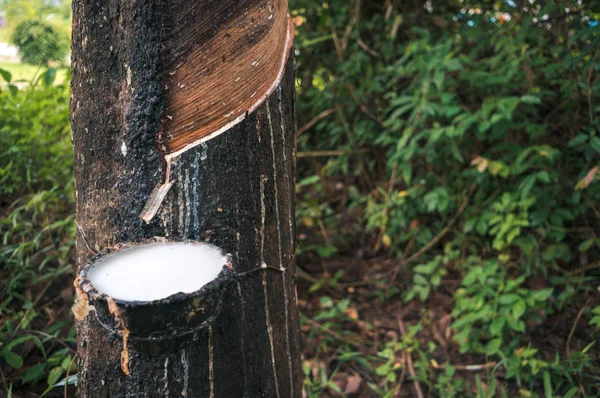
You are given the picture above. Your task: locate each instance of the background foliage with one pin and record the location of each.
(40, 42)
(15, 12)
(468, 141)
(36, 228)
(447, 206)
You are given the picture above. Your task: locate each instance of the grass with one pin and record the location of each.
(26, 73)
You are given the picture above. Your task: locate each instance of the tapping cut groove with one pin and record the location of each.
(221, 60)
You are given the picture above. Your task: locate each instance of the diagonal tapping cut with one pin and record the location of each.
(236, 62)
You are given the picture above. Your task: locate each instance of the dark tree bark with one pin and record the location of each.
(234, 190)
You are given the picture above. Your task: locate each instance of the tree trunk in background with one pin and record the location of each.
(234, 191)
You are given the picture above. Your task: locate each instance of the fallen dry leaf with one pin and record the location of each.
(481, 163)
(353, 385)
(589, 177)
(351, 313)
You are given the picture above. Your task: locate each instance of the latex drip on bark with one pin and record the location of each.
(166, 318)
(213, 79)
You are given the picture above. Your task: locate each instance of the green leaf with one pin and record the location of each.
(438, 79)
(595, 143)
(453, 65)
(469, 224)
(309, 180)
(348, 356)
(586, 244)
(530, 99)
(49, 77)
(547, 385)
(587, 347)
(493, 346)
(66, 362)
(470, 278)
(13, 359)
(518, 308)
(19, 340)
(13, 90)
(480, 389)
(54, 375)
(383, 369)
(542, 295)
(426, 269)
(526, 244)
(578, 140)
(39, 345)
(516, 324)
(571, 393)
(497, 326)
(331, 384)
(507, 106)
(6, 75)
(326, 302)
(70, 381)
(507, 299)
(543, 176)
(34, 373)
(527, 184)
(557, 251)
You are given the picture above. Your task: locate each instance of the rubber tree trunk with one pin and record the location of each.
(183, 127)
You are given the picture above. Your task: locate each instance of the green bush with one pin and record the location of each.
(40, 42)
(467, 125)
(34, 140)
(36, 226)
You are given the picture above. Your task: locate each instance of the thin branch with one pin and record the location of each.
(579, 314)
(342, 45)
(589, 88)
(330, 332)
(68, 371)
(33, 304)
(80, 230)
(403, 373)
(320, 116)
(411, 370)
(591, 205)
(359, 40)
(364, 108)
(364, 46)
(386, 209)
(402, 262)
(585, 268)
(444, 231)
(470, 368)
(438, 237)
(49, 336)
(337, 152)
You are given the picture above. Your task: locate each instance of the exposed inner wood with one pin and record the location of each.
(114, 310)
(82, 306)
(221, 59)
